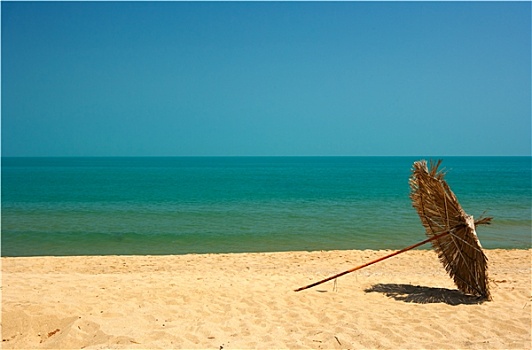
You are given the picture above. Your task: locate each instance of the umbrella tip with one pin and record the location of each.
(483, 221)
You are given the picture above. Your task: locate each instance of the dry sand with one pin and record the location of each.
(235, 301)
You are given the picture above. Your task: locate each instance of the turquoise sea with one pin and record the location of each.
(179, 205)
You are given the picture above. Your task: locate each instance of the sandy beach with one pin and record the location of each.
(238, 301)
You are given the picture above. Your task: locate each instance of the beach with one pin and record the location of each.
(240, 301)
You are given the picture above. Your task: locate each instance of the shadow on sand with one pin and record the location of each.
(424, 295)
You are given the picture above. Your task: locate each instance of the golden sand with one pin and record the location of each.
(241, 301)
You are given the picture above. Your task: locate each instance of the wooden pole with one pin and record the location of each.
(375, 261)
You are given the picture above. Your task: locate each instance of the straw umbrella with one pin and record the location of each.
(459, 251)
(450, 230)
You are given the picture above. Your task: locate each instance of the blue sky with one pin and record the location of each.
(258, 78)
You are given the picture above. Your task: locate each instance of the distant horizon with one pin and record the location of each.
(287, 156)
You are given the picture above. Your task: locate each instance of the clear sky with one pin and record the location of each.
(259, 78)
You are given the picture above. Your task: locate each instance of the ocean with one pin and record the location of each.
(181, 205)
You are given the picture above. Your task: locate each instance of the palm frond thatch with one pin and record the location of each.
(460, 251)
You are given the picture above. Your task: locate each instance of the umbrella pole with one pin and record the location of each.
(375, 261)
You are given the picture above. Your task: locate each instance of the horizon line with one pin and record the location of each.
(257, 156)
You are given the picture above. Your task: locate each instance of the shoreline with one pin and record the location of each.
(422, 248)
(246, 300)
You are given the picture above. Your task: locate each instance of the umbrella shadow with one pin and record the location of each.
(424, 295)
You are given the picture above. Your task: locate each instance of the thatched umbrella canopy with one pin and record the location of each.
(447, 226)
(459, 251)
